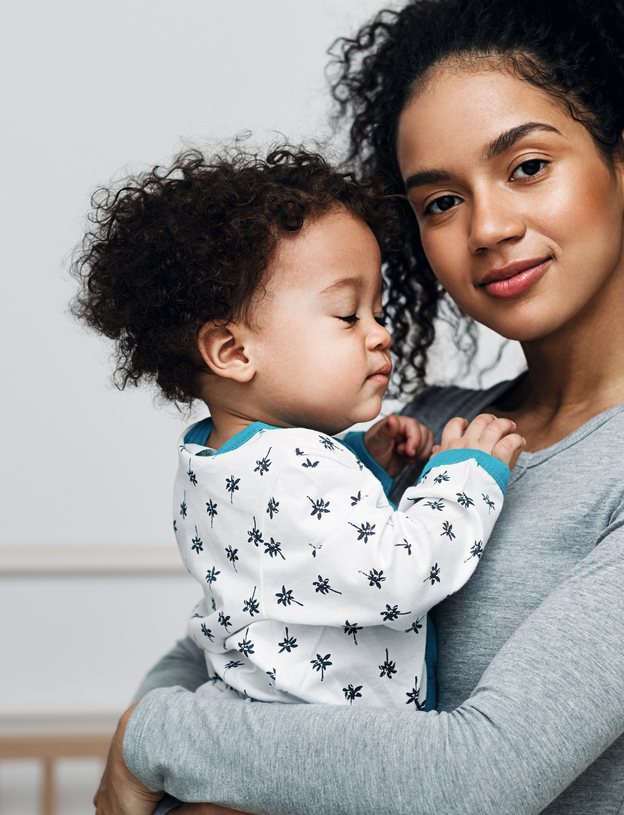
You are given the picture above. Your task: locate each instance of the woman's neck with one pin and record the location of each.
(573, 376)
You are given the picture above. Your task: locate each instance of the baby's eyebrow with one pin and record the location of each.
(343, 283)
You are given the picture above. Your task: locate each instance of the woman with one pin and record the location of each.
(503, 125)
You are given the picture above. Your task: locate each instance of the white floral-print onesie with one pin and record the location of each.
(316, 589)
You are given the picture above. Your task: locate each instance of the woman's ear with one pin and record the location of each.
(224, 350)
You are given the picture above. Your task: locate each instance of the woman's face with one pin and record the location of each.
(520, 217)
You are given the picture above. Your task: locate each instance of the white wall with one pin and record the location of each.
(88, 88)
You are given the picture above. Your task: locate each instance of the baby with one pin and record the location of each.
(256, 287)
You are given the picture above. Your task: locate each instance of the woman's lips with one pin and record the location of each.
(515, 278)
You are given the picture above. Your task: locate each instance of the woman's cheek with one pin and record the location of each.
(449, 266)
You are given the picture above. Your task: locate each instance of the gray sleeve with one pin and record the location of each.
(540, 715)
(184, 665)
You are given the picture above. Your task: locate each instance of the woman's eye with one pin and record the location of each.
(442, 204)
(351, 319)
(528, 168)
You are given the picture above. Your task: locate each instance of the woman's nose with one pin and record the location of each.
(494, 221)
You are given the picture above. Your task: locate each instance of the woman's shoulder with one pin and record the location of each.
(435, 405)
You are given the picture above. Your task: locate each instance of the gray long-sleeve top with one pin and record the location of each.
(530, 673)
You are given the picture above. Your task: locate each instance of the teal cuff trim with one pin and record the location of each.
(500, 472)
(355, 442)
(199, 433)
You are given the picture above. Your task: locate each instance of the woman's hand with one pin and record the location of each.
(120, 793)
(396, 441)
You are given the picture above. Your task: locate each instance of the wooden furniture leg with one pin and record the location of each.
(49, 790)
(48, 749)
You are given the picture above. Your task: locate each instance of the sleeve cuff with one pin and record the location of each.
(493, 466)
(355, 442)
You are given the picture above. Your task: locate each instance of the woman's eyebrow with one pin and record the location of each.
(511, 136)
(425, 177)
(491, 150)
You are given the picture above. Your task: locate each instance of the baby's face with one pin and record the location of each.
(322, 356)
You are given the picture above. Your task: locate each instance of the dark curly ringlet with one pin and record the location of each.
(573, 49)
(181, 246)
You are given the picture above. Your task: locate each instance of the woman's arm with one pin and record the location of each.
(549, 704)
(184, 665)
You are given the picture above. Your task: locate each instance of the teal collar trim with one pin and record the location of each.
(200, 432)
(243, 436)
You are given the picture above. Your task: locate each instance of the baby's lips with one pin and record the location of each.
(385, 370)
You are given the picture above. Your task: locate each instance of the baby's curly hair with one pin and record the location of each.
(178, 247)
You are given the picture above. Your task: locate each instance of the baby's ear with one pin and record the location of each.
(223, 349)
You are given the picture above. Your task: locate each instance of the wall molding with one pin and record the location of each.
(54, 560)
(53, 721)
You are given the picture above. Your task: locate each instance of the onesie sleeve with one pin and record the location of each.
(335, 541)
(540, 715)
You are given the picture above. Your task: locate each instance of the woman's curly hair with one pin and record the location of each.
(178, 247)
(573, 49)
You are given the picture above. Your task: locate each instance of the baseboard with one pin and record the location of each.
(58, 722)
(51, 560)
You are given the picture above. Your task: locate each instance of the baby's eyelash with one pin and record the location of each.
(380, 319)
(351, 319)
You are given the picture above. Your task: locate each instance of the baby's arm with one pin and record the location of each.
(365, 551)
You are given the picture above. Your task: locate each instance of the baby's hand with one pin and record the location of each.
(485, 433)
(397, 441)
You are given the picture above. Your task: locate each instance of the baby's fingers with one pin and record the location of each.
(490, 431)
(412, 434)
(423, 450)
(453, 432)
(391, 427)
(507, 446)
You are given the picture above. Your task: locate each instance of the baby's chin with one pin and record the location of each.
(326, 419)
(336, 427)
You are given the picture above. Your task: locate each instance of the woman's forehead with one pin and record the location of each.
(459, 111)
